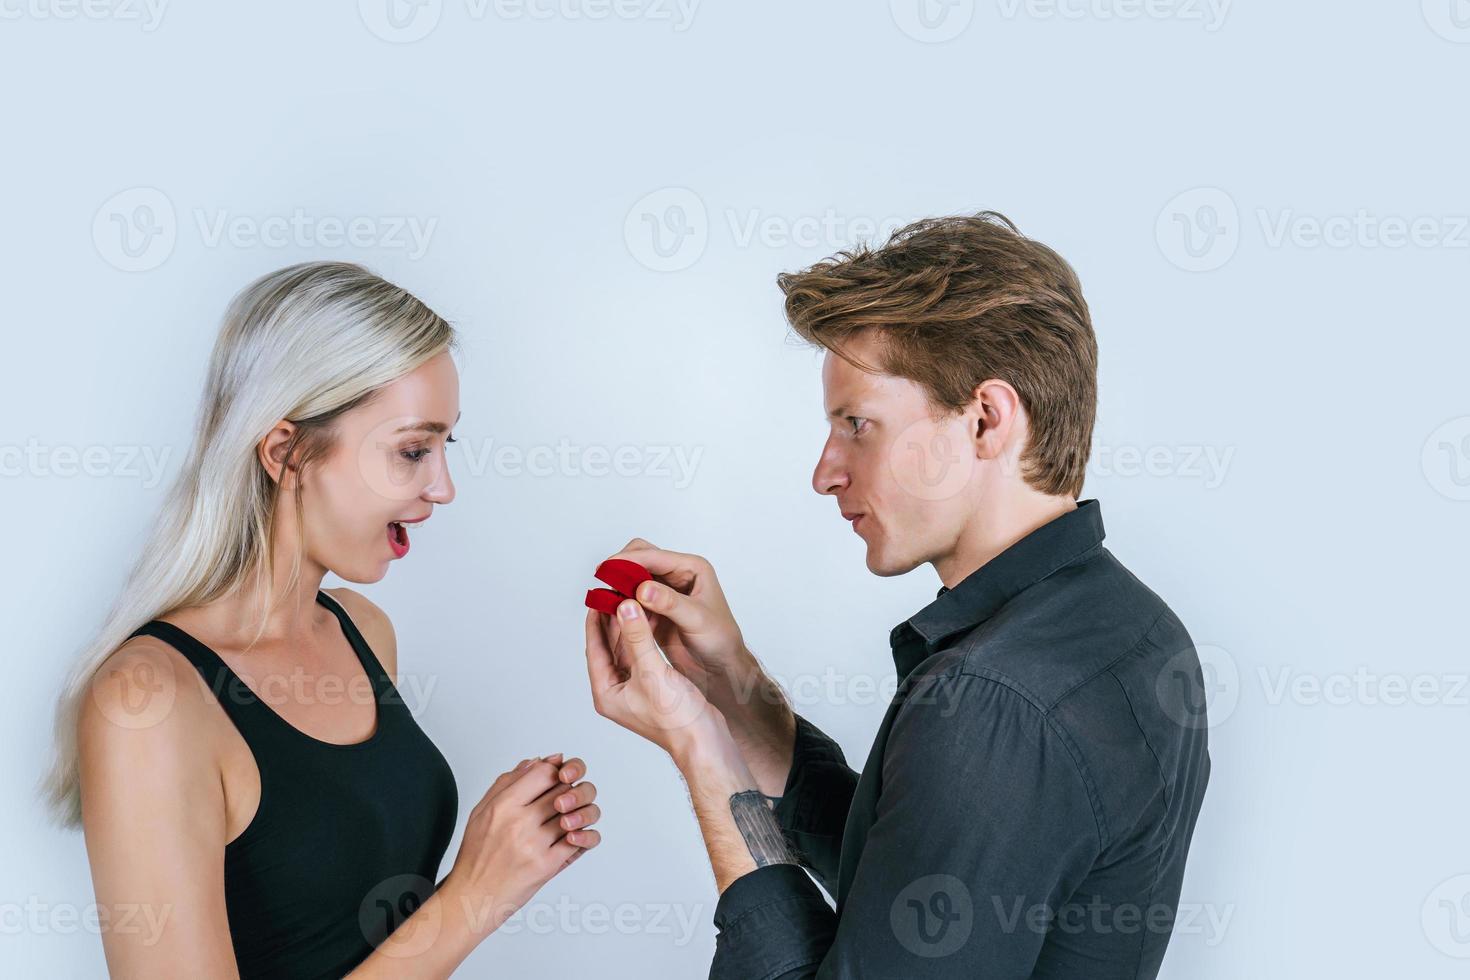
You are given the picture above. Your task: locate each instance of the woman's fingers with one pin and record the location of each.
(559, 799)
(581, 817)
(574, 845)
(505, 779)
(566, 800)
(532, 782)
(572, 770)
(586, 839)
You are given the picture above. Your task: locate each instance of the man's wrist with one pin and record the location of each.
(707, 756)
(754, 696)
(763, 724)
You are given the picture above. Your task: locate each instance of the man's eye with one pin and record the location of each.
(857, 423)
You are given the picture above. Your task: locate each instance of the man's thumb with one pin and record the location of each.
(672, 604)
(636, 634)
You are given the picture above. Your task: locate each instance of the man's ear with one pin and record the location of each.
(272, 450)
(998, 416)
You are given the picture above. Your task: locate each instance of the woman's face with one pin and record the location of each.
(385, 473)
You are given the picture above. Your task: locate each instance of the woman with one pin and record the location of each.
(232, 743)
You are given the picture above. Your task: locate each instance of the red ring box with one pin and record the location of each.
(624, 576)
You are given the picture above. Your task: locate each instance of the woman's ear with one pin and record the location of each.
(273, 448)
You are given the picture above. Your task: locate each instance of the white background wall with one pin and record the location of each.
(1266, 204)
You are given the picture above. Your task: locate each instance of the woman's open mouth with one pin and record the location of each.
(398, 539)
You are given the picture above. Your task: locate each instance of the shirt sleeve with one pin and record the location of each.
(813, 808)
(983, 823)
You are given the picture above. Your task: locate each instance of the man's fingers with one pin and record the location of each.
(600, 669)
(672, 604)
(674, 567)
(638, 643)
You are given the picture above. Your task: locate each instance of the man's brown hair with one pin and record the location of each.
(960, 300)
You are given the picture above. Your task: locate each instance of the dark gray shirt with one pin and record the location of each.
(1027, 805)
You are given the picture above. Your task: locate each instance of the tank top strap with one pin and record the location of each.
(240, 703)
(382, 685)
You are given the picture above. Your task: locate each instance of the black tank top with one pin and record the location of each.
(347, 839)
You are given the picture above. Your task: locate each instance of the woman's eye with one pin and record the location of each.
(419, 452)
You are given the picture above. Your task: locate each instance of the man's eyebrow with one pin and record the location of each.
(435, 427)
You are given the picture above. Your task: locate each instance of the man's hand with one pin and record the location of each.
(741, 832)
(642, 692)
(692, 622)
(693, 625)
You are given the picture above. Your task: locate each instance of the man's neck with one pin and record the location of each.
(997, 526)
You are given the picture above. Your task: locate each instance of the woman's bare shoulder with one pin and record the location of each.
(373, 623)
(142, 726)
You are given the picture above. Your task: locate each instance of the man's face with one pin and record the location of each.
(902, 476)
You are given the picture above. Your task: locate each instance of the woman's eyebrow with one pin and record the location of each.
(436, 427)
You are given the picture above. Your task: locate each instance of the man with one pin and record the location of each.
(1028, 802)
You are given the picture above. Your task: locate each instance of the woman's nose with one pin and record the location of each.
(441, 490)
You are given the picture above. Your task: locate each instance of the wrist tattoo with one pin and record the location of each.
(760, 829)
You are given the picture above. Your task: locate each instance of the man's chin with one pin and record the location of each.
(887, 566)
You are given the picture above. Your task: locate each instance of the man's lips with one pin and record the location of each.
(853, 516)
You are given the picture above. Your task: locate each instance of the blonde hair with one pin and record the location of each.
(305, 343)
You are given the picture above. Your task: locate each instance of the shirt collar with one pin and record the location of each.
(1058, 543)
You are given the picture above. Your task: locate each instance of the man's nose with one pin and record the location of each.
(830, 475)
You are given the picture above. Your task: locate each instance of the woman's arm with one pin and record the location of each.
(153, 815)
(516, 839)
(429, 945)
